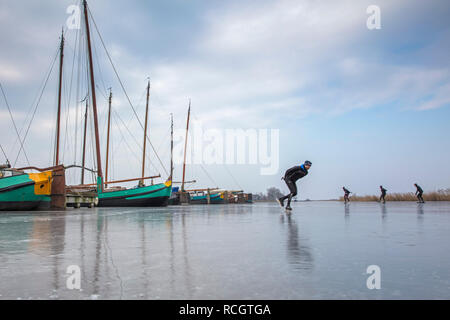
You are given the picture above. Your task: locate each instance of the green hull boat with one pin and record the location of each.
(146, 196)
(24, 191)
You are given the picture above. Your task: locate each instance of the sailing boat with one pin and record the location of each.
(142, 195)
(200, 196)
(28, 191)
(195, 196)
(181, 196)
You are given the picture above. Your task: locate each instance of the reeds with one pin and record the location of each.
(440, 195)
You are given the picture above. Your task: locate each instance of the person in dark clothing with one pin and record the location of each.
(346, 194)
(290, 177)
(383, 194)
(419, 193)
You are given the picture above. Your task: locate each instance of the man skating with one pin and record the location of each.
(419, 193)
(290, 177)
(383, 194)
(346, 195)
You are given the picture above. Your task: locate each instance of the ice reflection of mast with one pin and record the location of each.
(98, 252)
(57, 235)
(299, 255)
(172, 254)
(144, 258)
(186, 261)
(48, 238)
(105, 238)
(82, 245)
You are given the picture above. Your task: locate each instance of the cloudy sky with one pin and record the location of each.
(367, 107)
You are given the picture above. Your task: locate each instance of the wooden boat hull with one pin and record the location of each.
(174, 199)
(178, 198)
(149, 196)
(25, 192)
(214, 199)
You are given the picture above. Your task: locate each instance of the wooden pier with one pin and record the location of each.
(81, 197)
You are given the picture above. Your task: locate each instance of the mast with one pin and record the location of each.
(185, 145)
(83, 161)
(141, 183)
(58, 120)
(171, 146)
(94, 102)
(107, 136)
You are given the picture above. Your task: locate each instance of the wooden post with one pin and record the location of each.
(185, 198)
(58, 193)
(208, 197)
(225, 196)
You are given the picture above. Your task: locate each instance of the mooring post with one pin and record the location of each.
(58, 192)
(184, 197)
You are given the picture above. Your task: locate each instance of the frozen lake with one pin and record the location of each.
(320, 251)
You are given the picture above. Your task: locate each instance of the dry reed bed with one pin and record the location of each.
(440, 195)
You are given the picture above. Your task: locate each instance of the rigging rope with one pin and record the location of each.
(229, 172)
(14, 123)
(131, 118)
(35, 109)
(134, 138)
(30, 109)
(68, 99)
(123, 88)
(201, 166)
(225, 165)
(126, 143)
(210, 178)
(4, 153)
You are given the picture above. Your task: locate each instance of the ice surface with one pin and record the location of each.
(320, 251)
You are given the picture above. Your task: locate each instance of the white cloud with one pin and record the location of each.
(441, 97)
(10, 73)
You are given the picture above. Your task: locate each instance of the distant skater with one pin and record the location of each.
(419, 193)
(346, 195)
(383, 194)
(290, 177)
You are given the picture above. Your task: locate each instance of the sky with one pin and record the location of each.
(366, 107)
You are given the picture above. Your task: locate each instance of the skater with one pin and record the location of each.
(290, 177)
(383, 194)
(346, 194)
(419, 193)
